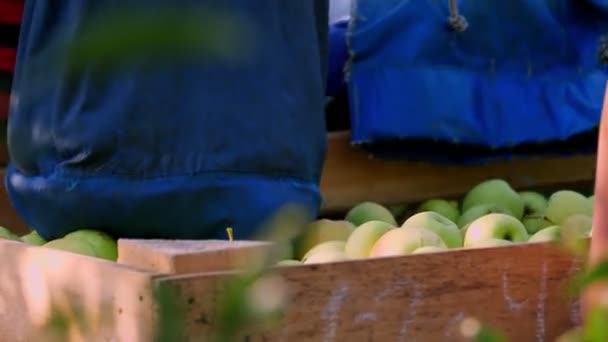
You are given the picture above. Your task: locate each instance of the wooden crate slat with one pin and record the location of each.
(189, 256)
(520, 289)
(350, 177)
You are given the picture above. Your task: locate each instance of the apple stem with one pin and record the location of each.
(230, 236)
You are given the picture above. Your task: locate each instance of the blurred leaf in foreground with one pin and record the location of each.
(586, 277)
(473, 330)
(596, 325)
(114, 37)
(257, 297)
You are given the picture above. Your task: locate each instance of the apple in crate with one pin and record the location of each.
(320, 231)
(492, 243)
(8, 235)
(494, 191)
(369, 211)
(33, 238)
(360, 242)
(103, 244)
(324, 247)
(495, 226)
(534, 202)
(551, 233)
(565, 203)
(429, 249)
(443, 207)
(439, 224)
(74, 246)
(480, 210)
(535, 222)
(402, 241)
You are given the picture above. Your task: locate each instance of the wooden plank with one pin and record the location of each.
(519, 289)
(349, 176)
(114, 301)
(189, 256)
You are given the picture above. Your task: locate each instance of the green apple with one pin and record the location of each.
(492, 243)
(8, 235)
(551, 233)
(534, 202)
(565, 203)
(289, 262)
(463, 231)
(33, 238)
(325, 246)
(369, 211)
(441, 206)
(361, 241)
(495, 226)
(398, 210)
(591, 200)
(494, 191)
(535, 222)
(103, 244)
(481, 210)
(439, 224)
(321, 231)
(326, 256)
(428, 249)
(402, 241)
(78, 246)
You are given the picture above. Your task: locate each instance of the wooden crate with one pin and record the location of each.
(519, 289)
(350, 176)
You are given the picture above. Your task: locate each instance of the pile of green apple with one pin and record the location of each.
(492, 213)
(85, 241)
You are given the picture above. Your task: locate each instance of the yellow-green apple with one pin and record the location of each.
(591, 200)
(534, 202)
(535, 222)
(289, 262)
(326, 256)
(335, 245)
(481, 210)
(369, 211)
(439, 224)
(103, 244)
(361, 241)
(442, 207)
(8, 235)
(492, 243)
(428, 249)
(551, 233)
(495, 226)
(565, 203)
(494, 191)
(402, 241)
(321, 231)
(33, 238)
(78, 246)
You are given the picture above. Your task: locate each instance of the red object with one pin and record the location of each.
(4, 98)
(7, 58)
(11, 11)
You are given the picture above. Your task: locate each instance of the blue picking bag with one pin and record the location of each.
(521, 78)
(182, 150)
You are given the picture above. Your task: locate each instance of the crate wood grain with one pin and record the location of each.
(519, 289)
(350, 176)
(102, 301)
